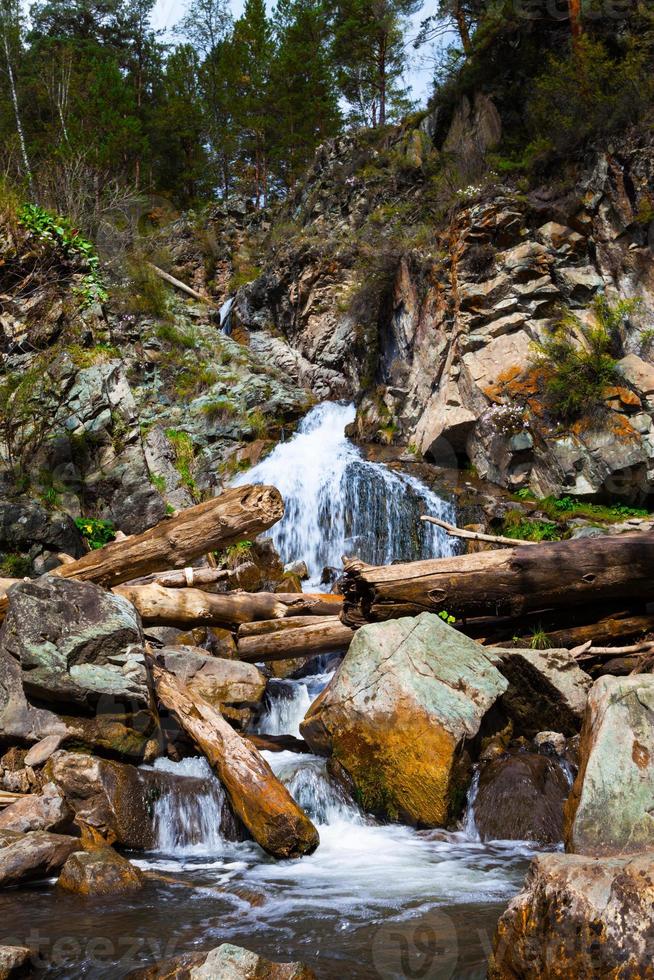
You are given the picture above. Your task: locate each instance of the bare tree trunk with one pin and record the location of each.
(263, 804)
(326, 636)
(158, 606)
(462, 27)
(576, 26)
(19, 122)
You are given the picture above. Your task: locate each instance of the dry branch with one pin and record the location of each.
(457, 532)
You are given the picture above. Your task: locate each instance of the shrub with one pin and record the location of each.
(168, 332)
(146, 293)
(588, 93)
(184, 457)
(516, 525)
(97, 533)
(577, 360)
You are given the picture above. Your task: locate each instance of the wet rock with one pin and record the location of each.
(298, 568)
(550, 743)
(217, 642)
(397, 717)
(547, 690)
(99, 872)
(35, 855)
(74, 642)
(228, 962)
(46, 810)
(521, 797)
(18, 718)
(17, 962)
(612, 800)
(578, 917)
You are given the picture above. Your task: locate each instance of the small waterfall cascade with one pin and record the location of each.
(307, 780)
(225, 316)
(191, 810)
(338, 503)
(468, 823)
(287, 702)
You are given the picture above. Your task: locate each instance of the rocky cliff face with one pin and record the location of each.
(429, 317)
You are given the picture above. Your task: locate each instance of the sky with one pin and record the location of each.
(167, 13)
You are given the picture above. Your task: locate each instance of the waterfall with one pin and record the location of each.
(338, 503)
(189, 815)
(469, 824)
(226, 316)
(287, 702)
(307, 780)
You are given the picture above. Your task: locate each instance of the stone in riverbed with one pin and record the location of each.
(579, 917)
(397, 717)
(220, 682)
(611, 807)
(227, 962)
(547, 690)
(521, 797)
(16, 962)
(38, 854)
(46, 810)
(99, 872)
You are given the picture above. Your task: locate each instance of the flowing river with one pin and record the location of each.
(374, 900)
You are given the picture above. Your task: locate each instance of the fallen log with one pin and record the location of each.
(238, 514)
(267, 626)
(504, 582)
(178, 284)
(7, 798)
(264, 805)
(187, 578)
(311, 604)
(158, 606)
(329, 636)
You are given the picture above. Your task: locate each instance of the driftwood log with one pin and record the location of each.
(327, 636)
(509, 582)
(158, 606)
(239, 513)
(264, 805)
(267, 626)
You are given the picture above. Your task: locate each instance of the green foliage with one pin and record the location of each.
(588, 93)
(96, 532)
(539, 639)
(219, 409)
(569, 507)
(13, 565)
(184, 450)
(84, 357)
(57, 231)
(516, 525)
(195, 378)
(447, 617)
(578, 360)
(146, 293)
(158, 482)
(176, 337)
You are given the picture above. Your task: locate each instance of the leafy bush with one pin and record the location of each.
(58, 231)
(588, 93)
(577, 361)
(516, 525)
(97, 533)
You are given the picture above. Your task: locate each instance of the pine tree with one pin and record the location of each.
(254, 49)
(369, 50)
(304, 93)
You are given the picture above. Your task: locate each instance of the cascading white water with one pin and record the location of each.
(287, 702)
(189, 822)
(338, 503)
(226, 316)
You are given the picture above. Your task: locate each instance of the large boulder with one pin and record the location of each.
(29, 529)
(520, 797)
(228, 962)
(579, 917)
(38, 854)
(611, 807)
(46, 810)
(99, 872)
(547, 690)
(75, 642)
(18, 718)
(397, 717)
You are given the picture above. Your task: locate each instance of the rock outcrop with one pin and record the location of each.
(46, 810)
(611, 807)
(578, 917)
(407, 700)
